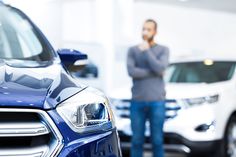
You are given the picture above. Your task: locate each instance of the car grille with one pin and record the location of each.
(28, 133)
(123, 109)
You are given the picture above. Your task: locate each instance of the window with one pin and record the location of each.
(198, 72)
(19, 40)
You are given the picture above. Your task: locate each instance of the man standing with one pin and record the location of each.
(146, 65)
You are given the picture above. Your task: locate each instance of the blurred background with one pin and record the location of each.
(104, 29)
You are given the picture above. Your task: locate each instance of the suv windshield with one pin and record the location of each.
(19, 40)
(200, 72)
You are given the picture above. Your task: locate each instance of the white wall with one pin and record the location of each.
(88, 26)
(187, 29)
(182, 29)
(46, 14)
(106, 28)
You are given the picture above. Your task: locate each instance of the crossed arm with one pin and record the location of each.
(157, 66)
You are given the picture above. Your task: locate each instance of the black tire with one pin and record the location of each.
(223, 149)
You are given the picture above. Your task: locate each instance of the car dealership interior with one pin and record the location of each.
(200, 78)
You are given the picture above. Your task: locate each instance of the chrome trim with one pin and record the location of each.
(59, 144)
(122, 108)
(24, 152)
(22, 129)
(168, 147)
(177, 148)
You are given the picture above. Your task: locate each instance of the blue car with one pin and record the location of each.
(44, 112)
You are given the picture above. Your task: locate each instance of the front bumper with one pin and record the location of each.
(175, 143)
(99, 144)
(102, 145)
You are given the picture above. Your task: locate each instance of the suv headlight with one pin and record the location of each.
(202, 100)
(87, 111)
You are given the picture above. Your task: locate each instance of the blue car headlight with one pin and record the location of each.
(87, 111)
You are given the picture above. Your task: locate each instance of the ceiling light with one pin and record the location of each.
(208, 62)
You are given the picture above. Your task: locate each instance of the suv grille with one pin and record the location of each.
(28, 133)
(123, 109)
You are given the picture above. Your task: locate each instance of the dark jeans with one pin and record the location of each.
(155, 113)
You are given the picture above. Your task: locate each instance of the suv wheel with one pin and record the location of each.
(228, 145)
(230, 138)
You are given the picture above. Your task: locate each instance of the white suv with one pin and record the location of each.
(200, 108)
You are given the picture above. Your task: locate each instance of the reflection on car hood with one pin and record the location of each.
(42, 88)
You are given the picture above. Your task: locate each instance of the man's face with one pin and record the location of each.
(149, 31)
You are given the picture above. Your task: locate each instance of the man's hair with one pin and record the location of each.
(153, 21)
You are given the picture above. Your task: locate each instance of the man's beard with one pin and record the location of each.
(148, 39)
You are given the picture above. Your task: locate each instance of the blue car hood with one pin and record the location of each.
(42, 88)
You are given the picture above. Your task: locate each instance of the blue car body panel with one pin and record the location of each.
(43, 93)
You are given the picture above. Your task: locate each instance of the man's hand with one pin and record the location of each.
(144, 46)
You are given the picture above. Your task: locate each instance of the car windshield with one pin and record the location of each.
(200, 72)
(19, 40)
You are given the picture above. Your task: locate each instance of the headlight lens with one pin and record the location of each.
(202, 100)
(87, 111)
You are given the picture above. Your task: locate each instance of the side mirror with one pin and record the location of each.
(73, 60)
(89, 71)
